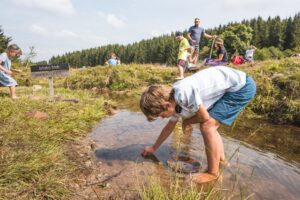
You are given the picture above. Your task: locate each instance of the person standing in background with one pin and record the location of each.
(194, 36)
(182, 54)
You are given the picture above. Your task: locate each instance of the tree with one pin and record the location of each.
(288, 39)
(237, 38)
(4, 40)
(296, 31)
(276, 33)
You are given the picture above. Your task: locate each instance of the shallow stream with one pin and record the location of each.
(264, 158)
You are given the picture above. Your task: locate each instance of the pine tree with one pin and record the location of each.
(4, 40)
(276, 33)
(288, 39)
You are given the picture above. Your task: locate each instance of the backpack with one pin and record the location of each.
(237, 60)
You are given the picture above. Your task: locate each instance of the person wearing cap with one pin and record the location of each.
(6, 69)
(194, 35)
(221, 54)
(182, 53)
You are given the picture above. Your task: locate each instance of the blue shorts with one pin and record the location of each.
(226, 109)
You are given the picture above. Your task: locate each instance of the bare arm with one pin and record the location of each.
(208, 36)
(202, 114)
(4, 69)
(16, 70)
(167, 130)
(189, 36)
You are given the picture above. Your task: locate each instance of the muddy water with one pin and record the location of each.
(264, 159)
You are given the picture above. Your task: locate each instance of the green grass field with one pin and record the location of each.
(36, 155)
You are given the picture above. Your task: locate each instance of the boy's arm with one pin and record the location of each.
(16, 70)
(3, 69)
(167, 130)
(202, 114)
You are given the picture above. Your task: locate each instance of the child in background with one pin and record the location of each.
(250, 54)
(210, 97)
(6, 69)
(113, 61)
(182, 54)
(191, 60)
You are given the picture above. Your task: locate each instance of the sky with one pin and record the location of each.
(55, 27)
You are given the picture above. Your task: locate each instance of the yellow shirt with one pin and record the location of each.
(184, 44)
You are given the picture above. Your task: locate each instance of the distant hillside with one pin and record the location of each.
(275, 37)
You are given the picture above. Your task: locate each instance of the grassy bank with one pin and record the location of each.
(36, 156)
(35, 159)
(278, 84)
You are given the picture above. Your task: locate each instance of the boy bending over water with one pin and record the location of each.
(209, 97)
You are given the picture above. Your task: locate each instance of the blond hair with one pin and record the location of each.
(190, 50)
(153, 100)
(14, 47)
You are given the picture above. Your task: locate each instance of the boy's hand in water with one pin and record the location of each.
(148, 151)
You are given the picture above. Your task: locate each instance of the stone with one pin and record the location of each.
(38, 115)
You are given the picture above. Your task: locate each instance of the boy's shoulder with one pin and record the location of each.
(3, 57)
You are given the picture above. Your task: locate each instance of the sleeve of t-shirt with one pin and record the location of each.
(186, 44)
(190, 29)
(2, 58)
(174, 118)
(222, 51)
(189, 99)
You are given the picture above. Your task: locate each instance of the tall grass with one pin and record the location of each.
(34, 154)
(180, 186)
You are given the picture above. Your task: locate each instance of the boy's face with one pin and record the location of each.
(170, 111)
(179, 37)
(13, 53)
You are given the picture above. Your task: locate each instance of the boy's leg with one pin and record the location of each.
(212, 147)
(12, 91)
(220, 144)
(213, 150)
(180, 70)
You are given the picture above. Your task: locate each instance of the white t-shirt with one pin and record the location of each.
(6, 63)
(206, 88)
(249, 53)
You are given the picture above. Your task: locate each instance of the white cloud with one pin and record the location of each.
(115, 21)
(58, 6)
(66, 34)
(112, 20)
(39, 30)
(42, 31)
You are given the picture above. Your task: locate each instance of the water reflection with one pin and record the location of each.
(282, 140)
(255, 150)
(132, 153)
(123, 136)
